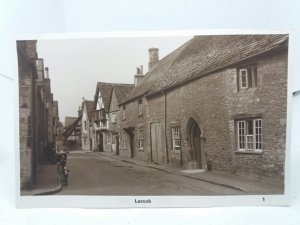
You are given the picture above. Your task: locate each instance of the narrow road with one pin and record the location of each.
(92, 174)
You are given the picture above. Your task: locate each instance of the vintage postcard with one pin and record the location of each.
(179, 120)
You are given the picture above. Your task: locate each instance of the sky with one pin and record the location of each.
(76, 65)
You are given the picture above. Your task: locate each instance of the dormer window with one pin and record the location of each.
(247, 77)
(140, 107)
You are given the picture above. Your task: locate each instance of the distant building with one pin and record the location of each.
(72, 131)
(87, 131)
(106, 119)
(216, 101)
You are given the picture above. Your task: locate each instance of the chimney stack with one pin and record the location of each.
(138, 77)
(79, 111)
(47, 73)
(153, 57)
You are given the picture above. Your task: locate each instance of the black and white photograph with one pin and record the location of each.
(198, 115)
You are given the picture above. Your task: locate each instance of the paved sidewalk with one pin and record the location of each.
(249, 185)
(47, 182)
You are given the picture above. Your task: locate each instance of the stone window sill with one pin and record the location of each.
(141, 149)
(257, 152)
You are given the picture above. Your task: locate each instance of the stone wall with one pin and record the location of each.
(215, 103)
(25, 120)
(133, 120)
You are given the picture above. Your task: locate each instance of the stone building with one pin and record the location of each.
(106, 118)
(87, 129)
(216, 102)
(36, 112)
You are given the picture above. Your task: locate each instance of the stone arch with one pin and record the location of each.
(195, 139)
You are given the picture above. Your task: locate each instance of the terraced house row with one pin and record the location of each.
(216, 102)
(38, 113)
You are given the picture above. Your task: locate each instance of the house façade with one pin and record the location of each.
(216, 102)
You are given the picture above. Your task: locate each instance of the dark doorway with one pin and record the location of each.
(197, 154)
(131, 141)
(117, 144)
(91, 144)
(100, 142)
(130, 132)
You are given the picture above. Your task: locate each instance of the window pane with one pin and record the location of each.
(243, 77)
(258, 134)
(250, 126)
(241, 134)
(176, 138)
(250, 142)
(141, 138)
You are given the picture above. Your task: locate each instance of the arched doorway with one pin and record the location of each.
(195, 138)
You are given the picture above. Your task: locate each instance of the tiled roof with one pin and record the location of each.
(121, 91)
(69, 120)
(201, 55)
(106, 92)
(89, 108)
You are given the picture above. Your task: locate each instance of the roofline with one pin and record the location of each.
(20, 50)
(279, 45)
(166, 89)
(131, 100)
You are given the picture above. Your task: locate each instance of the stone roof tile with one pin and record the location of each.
(202, 55)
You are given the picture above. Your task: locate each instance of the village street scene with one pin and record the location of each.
(206, 117)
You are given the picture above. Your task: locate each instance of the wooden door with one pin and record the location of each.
(156, 143)
(196, 144)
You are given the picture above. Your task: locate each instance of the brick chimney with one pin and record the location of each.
(138, 77)
(153, 57)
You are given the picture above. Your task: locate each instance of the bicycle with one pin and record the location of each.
(63, 172)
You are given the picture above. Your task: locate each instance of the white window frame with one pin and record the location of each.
(141, 139)
(241, 135)
(176, 140)
(250, 142)
(258, 134)
(241, 79)
(250, 74)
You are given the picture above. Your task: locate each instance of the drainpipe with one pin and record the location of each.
(165, 118)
